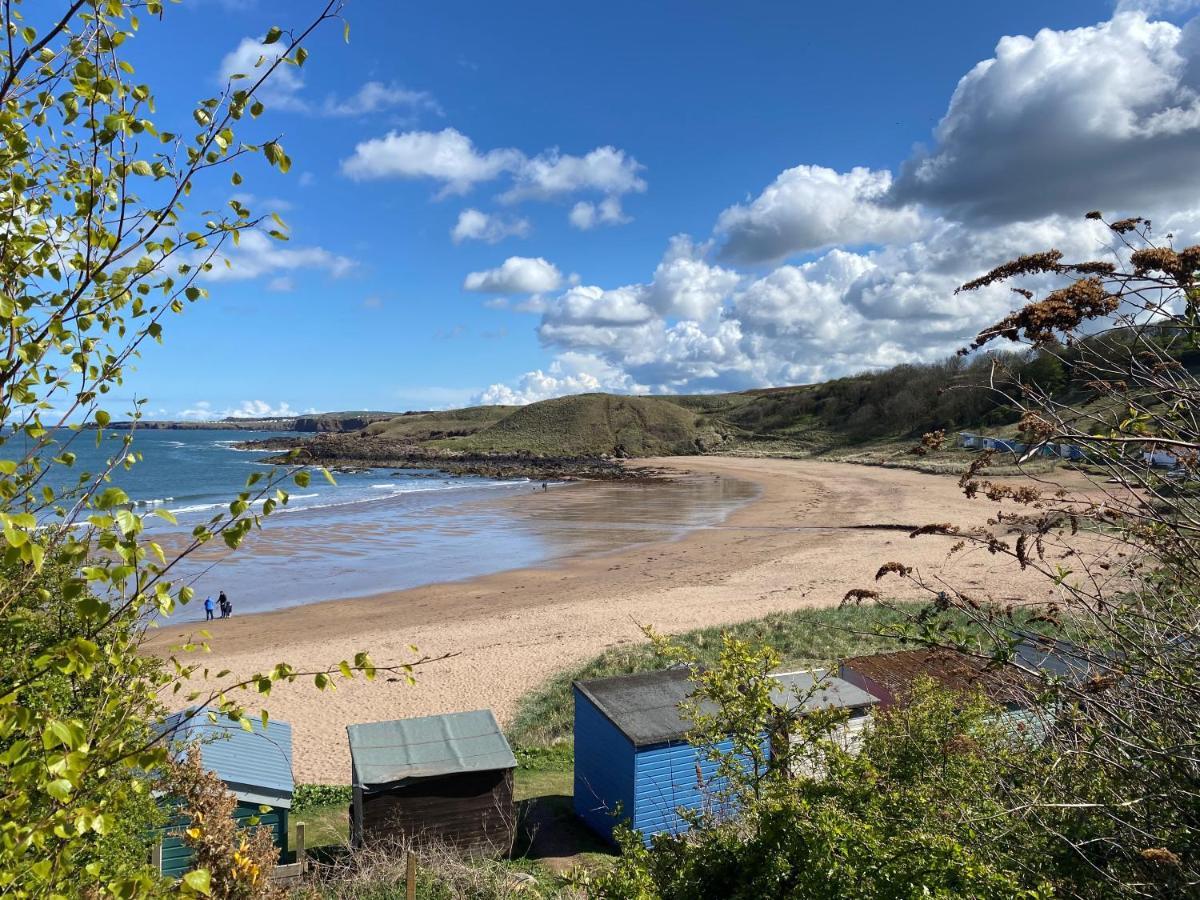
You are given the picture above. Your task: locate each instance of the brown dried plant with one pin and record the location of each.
(239, 861)
(1118, 548)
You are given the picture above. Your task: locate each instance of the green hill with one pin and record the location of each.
(429, 426)
(593, 424)
(871, 411)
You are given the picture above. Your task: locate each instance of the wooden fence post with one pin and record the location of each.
(410, 892)
(156, 857)
(300, 857)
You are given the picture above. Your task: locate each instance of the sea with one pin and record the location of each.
(383, 529)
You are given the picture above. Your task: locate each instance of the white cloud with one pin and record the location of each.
(447, 156)
(571, 373)
(200, 411)
(606, 170)
(812, 207)
(516, 275)
(1066, 121)
(251, 58)
(450, 157)
(375, 96)
(282, 284)
(1104, 117)
(586, 215)
(258, 254)
(1156, 8)
(284, 89)
(259, 409)
(473, 225)
(203, 411)
(684, 285)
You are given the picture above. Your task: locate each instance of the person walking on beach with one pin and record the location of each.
(226, 606)
(208, 609)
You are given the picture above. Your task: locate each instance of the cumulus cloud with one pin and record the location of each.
(258, 254)
(448, 156)
(375, 96)
(685, 285)
(571, 373)
(284, 89)
(516, 275)
(605, 170)
(1106, 116)
(863, 265)
(812, 207)
(586, 215)
(473, 225)
(250, 59)
(203, 411)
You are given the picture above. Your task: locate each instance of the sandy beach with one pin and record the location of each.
(795, 545)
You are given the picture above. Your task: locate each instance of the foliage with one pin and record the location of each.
(98, 250)
(803, 638)
(231, 863)
(310, 796)
(920, 811)
(45, 737)
(1120, 561)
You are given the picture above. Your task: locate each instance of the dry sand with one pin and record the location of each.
(791, 547)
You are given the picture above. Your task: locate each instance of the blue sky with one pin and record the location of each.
(654, 197)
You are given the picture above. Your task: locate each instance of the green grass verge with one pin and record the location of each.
(805, 638)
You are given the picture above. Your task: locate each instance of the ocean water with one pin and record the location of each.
(385, 529)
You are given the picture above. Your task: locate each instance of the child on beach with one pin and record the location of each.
(226, 606)
(208, 608)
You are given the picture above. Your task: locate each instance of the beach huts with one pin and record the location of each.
(892, 676)
(255, 765)
(633, 762)
(442, 779)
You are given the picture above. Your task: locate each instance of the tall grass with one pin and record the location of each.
(806, 638)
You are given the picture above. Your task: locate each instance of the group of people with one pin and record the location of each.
(222, 602)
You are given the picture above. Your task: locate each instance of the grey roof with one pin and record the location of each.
(387, 753)
(1061, 659)
(255, 765)
(645, 706)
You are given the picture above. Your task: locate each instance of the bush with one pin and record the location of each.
(311, 796)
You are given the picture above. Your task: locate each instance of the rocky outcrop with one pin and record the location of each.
(363, 451)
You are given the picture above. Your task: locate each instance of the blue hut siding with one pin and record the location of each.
(604, 769)
(672, 777)
(177, 856)
(643, 787)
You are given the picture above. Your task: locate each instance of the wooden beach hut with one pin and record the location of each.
(445, 779)
(256, 767)
(633, 762)
(892, 676)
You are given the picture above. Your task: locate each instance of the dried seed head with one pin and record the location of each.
(1031, 264)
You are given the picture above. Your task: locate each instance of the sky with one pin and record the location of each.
(500, 203)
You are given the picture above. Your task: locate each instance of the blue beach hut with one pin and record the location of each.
(633, 763)
(256, 767)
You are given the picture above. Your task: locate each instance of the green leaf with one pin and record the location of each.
(273, 34)
(198, 880)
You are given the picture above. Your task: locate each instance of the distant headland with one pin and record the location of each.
(311, 422)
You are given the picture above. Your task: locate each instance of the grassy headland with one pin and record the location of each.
(871, 418)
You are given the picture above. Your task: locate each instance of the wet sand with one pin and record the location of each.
(795, 545)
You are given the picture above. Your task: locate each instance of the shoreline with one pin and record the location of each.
(814, 531)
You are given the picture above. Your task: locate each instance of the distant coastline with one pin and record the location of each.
(314, 422)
